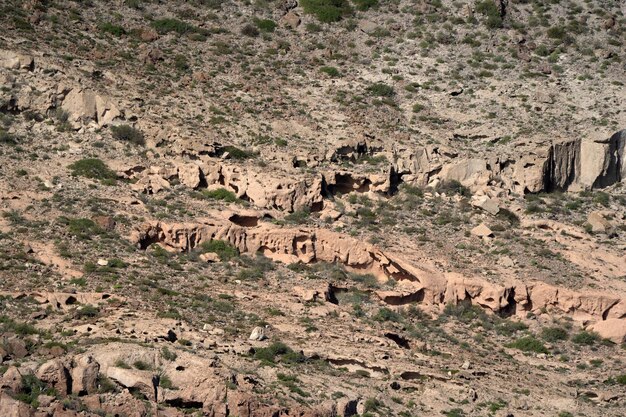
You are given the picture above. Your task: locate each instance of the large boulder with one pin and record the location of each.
(56, 374)
(612, 329)
(84, 375)
(14, 60)
(86, 107)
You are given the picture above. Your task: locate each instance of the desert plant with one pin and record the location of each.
(92, 168)
(220, 194)
(223, 249)
(127, 133)
(326, 11)
(528, 344)
(250, 30)
(554, 334)
(381, 90)
(490, 10)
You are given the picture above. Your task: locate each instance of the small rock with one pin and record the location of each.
(466, 365)
(102, 262)
(598, 223)
(258, 333)
(209, 257)
(487, 204)
(482, 231)
(291, 20)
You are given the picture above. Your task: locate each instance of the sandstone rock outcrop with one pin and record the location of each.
(14, 60)
(85, 107)
(418, 285)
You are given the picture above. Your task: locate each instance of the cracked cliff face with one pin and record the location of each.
(417, 285)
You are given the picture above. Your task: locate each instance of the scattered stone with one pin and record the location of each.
(598, 223)
(258, 334)
(482, 231)
(487, 204)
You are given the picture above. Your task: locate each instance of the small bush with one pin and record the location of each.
(142, 366)
(250, 30)
(489, 9)
(86, 311)
(121, 364)
(364, 5)
(528, 344)
(554, 334)
(92, 168)
(168, 25)
(453, 187)
(279, 351)
(7, 138)
(381, 90)
(385, 314)
(221, 194)
(222, 248)
(112, 29)
(326, 11)
(586, 338)
(168, 355)
(82, 228)
(32, 387)
(266, 25)
(330, 71)
(237, 153)
(298, 216)
(127, 133)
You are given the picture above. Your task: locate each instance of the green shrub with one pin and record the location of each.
(121, 364)
(464, 312)
(279, 351)
(221, 194)
(621, 379)
(237, 153)
(265, 25)
(326, 11)
(385, 314)
(86, 311)
(114, 30)
(168, 25)
(381, 90)
(330, 71)
(166, 382)
(127, 133)
(7, 138)
(528, 344)
(32, 387)
(142, 366)
(586, 338)
(554, 334)
(557, 32)
(298, 216)
(223, 249)
(92, 168)
(489, 9)
(250, 30)
(81, 228)
(364, 5)
(453, 187)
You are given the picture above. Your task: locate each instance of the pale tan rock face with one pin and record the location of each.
(598, 223)
(612, 329)
(417, 285)
(84, 374)
(13, 60)
(86, 106)
(56, 374)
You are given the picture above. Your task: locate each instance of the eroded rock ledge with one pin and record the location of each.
(603, 312)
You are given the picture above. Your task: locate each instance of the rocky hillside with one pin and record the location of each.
(312, 208)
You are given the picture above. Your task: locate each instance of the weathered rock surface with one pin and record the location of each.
(418, 285)
(85, 107)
